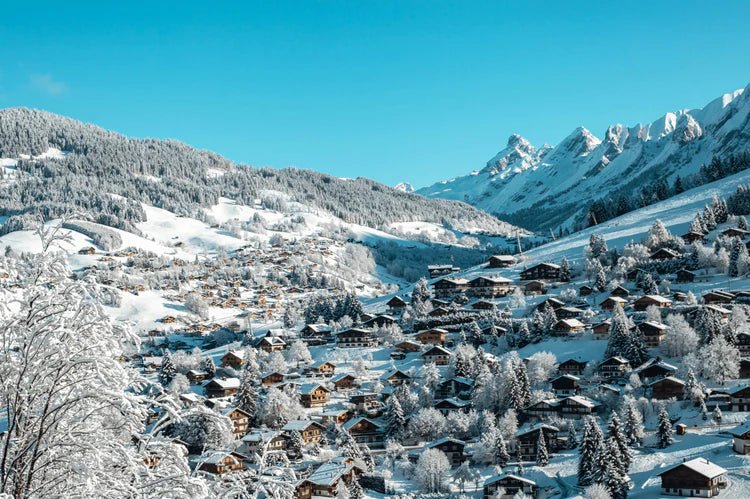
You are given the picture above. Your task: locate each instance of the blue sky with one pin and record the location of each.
(393, 90)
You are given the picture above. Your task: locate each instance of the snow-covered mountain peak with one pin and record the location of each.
(687, 129)
(579, 143)
(404, 187)
(517, 156)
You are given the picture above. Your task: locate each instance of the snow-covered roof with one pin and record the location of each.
(701, 466)
(328, 474)
(741, 429)
(445, 440)
(226, 383)
(503, 476)
(536, 427)
(297, 425)
(354, 421)
(308, 388)
(586, 402)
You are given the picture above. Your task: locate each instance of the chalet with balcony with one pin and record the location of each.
(233, 359)
(578, 406)
(566, 385)
(452, 448)
(741, 437)
(646, 301)
(395, 377)
(221, 387)
(240, 421)
(569, 326)
(535, 287)
(365, 431)
(438, 355)
(434, 336)
(527, 440)
(321, 368)
(611, 302)
(664, 254)
(541, 271)
(450, 286)
(271, 378)
(509, 485)
(501, 261)
(355, 338)
(455, 387)
(222, 462)
(491, 286)
(396, 305)
(310, 431)
(453, 404)
(667, 388)
(601, 329)
(313, 395)
(653, 333)
(572, 366)
(365, 402)
(698, 477)
(441, 270)
(740, 397)
(614, 368)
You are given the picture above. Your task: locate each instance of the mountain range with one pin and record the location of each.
(553, 187)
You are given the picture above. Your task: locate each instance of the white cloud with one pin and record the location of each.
(47, 84)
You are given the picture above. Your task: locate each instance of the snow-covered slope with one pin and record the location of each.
(404, 187)
(558, 182)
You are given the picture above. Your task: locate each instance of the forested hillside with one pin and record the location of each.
(96, 163)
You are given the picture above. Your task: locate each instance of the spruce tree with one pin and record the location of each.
(633, 426)
(167, 369)
(564, 270)
(609, 473)
(208, 366)
(542, 456)
(591, 442)
(572, 437)
(664, 430)
(601, 280)
(395, 421)
(634, 348)
(501, 451)
(247, 394)
(619, 440)
(691, 383)
(619, 331)
(741, 223)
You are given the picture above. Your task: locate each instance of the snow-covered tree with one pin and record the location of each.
(542, 456)
(720, 360)
(432, 471)
(462, 475)
(395, 421)
(517, 298)
(680, 339)
(658, 235)
(664, 429)
(298, 353)
(591, 442)
(564, 270)
(246, 397)
(208, 366)
(597, 491)
(201, 428)
(167, 369)
(633, 425)
(617, 438)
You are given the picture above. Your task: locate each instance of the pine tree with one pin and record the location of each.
(635, 349)
(542, 457)
(716, 416)
(648, 285)
(591, 442)
(395, 421)
(617, 438)
(572, 437)
(619, 331)
(741, 223)
(678, 188)
(355, 488)
(601, 280)
(664, 430)
(609, 473)
(420, 294)
(295, 445)
(167, 370)
(501, 451)
(524, 334)
(719, 209)
(708, 218)
(633, 425)
(697, 225)
(691, 384)
(208, 366)
(564, 270)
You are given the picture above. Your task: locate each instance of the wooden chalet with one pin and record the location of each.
(654, 369)
(585, 290)
(664, 254)
(453, 449)
(653, 333)
(365, 402)
(438, 355)
(491, 286)
(321, 368)
(667, 388)
(240, 421)
(344, 381)
(483, 305)
(317, 334)
(449, 286)
(565, 385)
(271, 379)
(646, 301)
(452, 404)
(528, 439)
(741, 438)
(548, 271)
(740, 398)
(552, 302)
(313, 395)
(698, 477)
(569, 326)
(311, 431)
(455, 387)
(534, 287)
(611, 302)
(718, 296)
(441, 270)
(501, 261)
(743, 343)
(408, 346)
(380, 321)
(685, 275)
(336, 416)
(222, 462)
(572, 366)
(195, 376)
(221, 387)
(395, 377)
(365, 431)
(543, 409)
(233, 359)
(601, 329)
(326, 479)
(260, 441)
(270, 344)
(613, 367)
(578, 406)
(509, 485)
(620, 291)
(396, 305)
(568, 312)
(434, 336)
(692, 236)
(355, 338)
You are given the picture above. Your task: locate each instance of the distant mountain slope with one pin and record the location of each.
(92, 164)
(550, 187)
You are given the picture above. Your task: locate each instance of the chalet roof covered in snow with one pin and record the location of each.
(702, 466)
